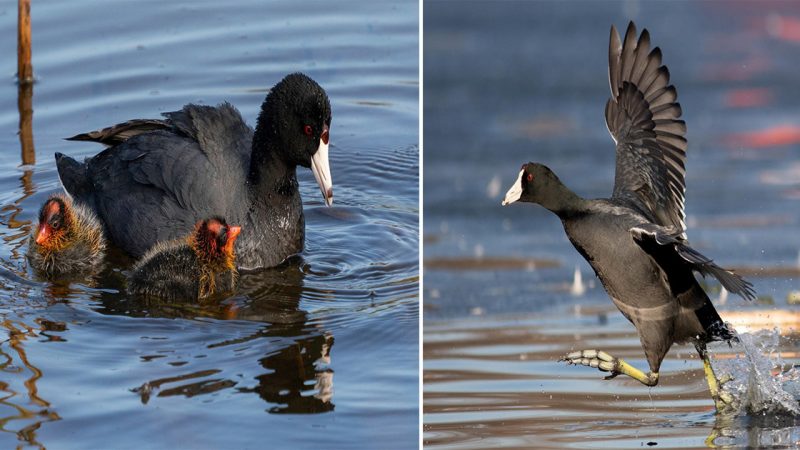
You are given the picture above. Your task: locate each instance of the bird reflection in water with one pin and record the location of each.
(298, 377)
(292, 369)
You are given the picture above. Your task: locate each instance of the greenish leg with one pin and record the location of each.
(607, 363)
(723, 401)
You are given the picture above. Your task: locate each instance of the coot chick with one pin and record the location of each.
(636, 240)
(68, 240)
(201, 161)
(193, 268)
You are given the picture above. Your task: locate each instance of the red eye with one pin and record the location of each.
(307, 130)
(530, 177)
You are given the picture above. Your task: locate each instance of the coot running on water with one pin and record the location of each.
(193, 268)
(159, 177)
(636, 240)
(67, 241)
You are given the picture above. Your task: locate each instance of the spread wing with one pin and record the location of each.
(642, 116)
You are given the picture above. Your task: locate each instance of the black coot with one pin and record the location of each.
(159, 177)
(636, 240)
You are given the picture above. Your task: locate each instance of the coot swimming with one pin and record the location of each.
(160, 176)
(67, 241)
(192, 268)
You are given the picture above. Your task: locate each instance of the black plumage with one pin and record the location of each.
(159, 177)
(636, 240)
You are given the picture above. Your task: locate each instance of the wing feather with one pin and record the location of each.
(643, 117)
(650, 233)
(171, 172)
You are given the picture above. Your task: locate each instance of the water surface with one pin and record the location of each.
(318, 353)
(496, 383)
(512, 82)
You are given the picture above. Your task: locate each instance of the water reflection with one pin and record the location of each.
(297, 354)
(9, 213)
(33, 410)
(762, 431)
(298, 378)
(25, 106)
(495, 381)
(36, 410)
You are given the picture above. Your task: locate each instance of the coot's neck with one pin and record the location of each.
(561, 200)
(270, 178)
(272, 221)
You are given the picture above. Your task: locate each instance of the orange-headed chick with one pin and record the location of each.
(68, 240)
(189, 269)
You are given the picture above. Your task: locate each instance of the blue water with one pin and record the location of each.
(516, 81)
(534, 89)
(320, 353)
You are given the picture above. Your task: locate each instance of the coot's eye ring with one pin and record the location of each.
(308, 130)
(530, 177)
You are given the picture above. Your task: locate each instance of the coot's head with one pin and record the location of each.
(214, 240)
(297, 116)
(534, 184)
(55, 221)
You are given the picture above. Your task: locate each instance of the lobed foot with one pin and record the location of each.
(607, 363)
(592, 358)
(723, 401)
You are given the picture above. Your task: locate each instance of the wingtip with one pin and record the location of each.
(748, 293)
(744, 289)
(631, 29)
(614, 40)
(644, 36)
(614, 53)
(77, 137)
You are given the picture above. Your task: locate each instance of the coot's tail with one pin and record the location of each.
(73, 176)
(715, 328)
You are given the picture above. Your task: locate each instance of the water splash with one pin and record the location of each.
(759, 384)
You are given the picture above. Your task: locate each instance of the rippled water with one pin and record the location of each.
(497, 383)
(512, 82)
(318, 353)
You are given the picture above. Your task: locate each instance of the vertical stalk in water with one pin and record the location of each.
(25, 105)
(24, 68)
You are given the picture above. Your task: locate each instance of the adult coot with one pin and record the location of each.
(192, 268)
(159, 177)
(636, 240)
(68, 240)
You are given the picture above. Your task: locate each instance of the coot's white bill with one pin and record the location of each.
(322, 171)
(515, 192)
